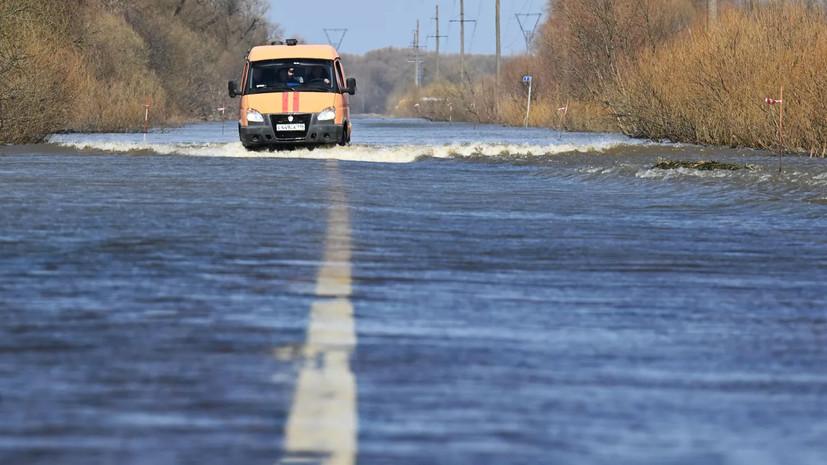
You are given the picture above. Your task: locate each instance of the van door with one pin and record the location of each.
(340, 78)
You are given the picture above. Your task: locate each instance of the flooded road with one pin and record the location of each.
(433, 294)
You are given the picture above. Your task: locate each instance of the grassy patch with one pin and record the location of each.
(707, 165)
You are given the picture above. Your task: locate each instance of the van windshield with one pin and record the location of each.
(291, 75)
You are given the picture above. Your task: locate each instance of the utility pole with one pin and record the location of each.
(529, 35)
(437, 36)
(416, 51)
(462, 34)
(413, 55)
(462, 22)
(499, 50)
(712, 12)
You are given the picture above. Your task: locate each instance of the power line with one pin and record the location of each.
(474, 32)
(335, 31)
(529, 35)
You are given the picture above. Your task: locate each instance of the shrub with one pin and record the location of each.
(708, 87)
(89, 65)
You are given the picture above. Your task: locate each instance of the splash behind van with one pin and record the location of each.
(293, 95)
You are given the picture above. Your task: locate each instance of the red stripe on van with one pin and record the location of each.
(284, 102)
(296, 102)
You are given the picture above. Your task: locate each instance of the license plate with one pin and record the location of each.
(290, 127)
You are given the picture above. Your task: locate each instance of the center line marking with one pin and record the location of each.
(323, 423)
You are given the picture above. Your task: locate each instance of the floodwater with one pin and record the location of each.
(433, 294)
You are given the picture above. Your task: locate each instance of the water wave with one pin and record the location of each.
(759, 175)
(363, 153)
(654, 173)
(602, 157)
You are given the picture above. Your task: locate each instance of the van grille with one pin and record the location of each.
(291, 135)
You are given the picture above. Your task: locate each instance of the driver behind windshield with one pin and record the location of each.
(310, 75)
(319, 75)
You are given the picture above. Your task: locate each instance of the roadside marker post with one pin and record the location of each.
(565, 111)
(221, 109)
(528, 105)
(146, 116)
(780, 102)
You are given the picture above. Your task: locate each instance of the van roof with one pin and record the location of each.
(275, 52)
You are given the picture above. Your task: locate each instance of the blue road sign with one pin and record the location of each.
(526, 78)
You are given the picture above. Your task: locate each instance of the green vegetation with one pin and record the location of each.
(89, 65)
(664, 164)
(654, 69)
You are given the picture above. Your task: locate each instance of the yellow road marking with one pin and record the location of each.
(323, 423)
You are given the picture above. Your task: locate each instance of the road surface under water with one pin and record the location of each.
(433, 294)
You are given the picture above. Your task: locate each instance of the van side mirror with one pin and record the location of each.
(351, 86)
(232, 89)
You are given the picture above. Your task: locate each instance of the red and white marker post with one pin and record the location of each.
(565, 111)
(780, 102)
(221, 109)
(146, 116)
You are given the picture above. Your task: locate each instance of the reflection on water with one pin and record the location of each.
(323, 419)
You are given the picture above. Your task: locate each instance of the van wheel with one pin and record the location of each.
(345, 137)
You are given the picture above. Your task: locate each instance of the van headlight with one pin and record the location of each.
(253, 116)
(327, 114)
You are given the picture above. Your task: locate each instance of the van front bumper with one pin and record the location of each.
(315, 132)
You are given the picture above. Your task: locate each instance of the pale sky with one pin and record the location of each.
(376, 24)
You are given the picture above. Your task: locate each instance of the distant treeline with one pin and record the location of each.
(385, 75)
(89, 65)
(658, 69)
